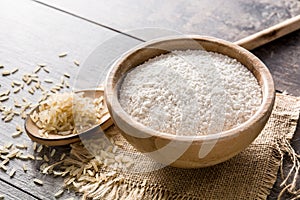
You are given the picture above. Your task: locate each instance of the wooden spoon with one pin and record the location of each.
(57, 140)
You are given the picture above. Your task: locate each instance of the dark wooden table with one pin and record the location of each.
(35, 32)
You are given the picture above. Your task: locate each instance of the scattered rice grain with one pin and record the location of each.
(42, 64)
(4, 98)
(52, 153)
(4, 162)
(12, 172)
(39, 149)
(38, 158)
(5, 93)
(46, 69)
(25, 169)
(67, 84)
(46, 158)
(5, 73)
(67, 75)
(37, 69)
(16, 90)
(3, 167)
(48, 81)
(17, 83)
(62, 156)
(16, 134)
(21, 146)
(61, 55)
(19, 128)
(38, 181)
(8, 146)
(76, 62)
(34, 146)
(58, 193)
(14, 70)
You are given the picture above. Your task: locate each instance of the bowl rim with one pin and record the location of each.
(267, 88)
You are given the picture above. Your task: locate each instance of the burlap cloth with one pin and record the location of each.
(249, 175)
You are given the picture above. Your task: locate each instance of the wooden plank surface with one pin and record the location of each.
(35, 33)
(203, 17)
(11, 193)
(230, 20)
(282, 58)
(32, 34)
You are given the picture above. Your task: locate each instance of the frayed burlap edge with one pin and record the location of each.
(282, 148)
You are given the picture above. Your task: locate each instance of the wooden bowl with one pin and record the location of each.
(183, 151)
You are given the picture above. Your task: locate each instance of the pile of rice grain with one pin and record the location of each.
(67, 113)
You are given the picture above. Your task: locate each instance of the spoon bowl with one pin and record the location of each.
(58, 140)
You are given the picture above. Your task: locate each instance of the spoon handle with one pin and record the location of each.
(267, 35)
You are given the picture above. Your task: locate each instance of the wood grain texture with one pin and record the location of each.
(272, 33)
(32, 34)
(282, 58)
(214, 20)
(11, 193)
(230, 20)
